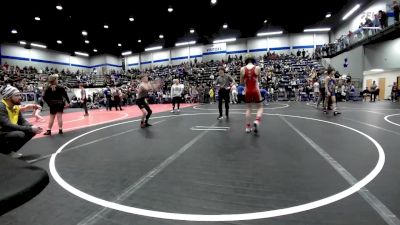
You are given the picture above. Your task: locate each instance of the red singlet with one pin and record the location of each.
(252, 94)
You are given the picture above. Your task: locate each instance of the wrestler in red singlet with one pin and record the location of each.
(249, 76)
(252, 94)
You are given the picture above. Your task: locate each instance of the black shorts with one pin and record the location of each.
(141, 102)
(58, 108)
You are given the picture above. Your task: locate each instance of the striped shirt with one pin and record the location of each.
(224, 81)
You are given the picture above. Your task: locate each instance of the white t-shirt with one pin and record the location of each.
(316, 87)
(176, 90)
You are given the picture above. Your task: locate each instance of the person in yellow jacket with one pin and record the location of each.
(212, 95)
(15, 131)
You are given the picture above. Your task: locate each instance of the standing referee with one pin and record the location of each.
(224, 83)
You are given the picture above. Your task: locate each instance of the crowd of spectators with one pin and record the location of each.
(370, 26)
(284, 77)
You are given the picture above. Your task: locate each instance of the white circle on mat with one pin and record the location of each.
(389, 121)
(223, 217)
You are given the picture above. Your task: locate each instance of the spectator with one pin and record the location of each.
(116, 96)
(396, 11)
(84, 99)
(368, 23)
(15, 131)
(372, 90)
(234, 94)
(176, 93)
(375, 22)
(383, 19)
(107, 96)
(394, 92)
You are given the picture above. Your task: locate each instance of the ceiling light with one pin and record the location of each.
(153, 48)
(87, 41)
(225, 26)
(127, 53)
(84, 33)
(37, 18)
(170, 9)
(191, 31)
(265, 21)
(81, 54)
(59, 42)
(185, 43)
(351, 12)
(213, 2)
(328, 15)
(161, 36)
(95, 50)
(119, 45)
(14, 31)
(22, 42)
(377, 70)
(224, 40)
(317, 30)
(140, 41)
(59, 7)
(106, 26)
(269, 33)
(38, 45)
(131, 19)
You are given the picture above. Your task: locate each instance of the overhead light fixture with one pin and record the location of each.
(185, 43)
(81, 54)
(14, 31)
(59, 7)
(377, 70)
(106, 26)
(213, 2)
(161, 36)
(269, 33)
(225, 26)
(119, 45)
(191, 31)
(87, 41)
(351, 12)
(22, 42)
(317, 30)
(170, 9)
(153, 48)
(37, 18)
(84, 33)
(59, 42)
(131, 19)
(265, 21)
(95, 50)
(38, 45)
(328, 15)
(139, 41)
(127, 53)
(224, 40)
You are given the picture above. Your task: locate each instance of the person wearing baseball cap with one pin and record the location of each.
(15, 130)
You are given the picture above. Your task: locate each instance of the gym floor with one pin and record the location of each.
(302, 168)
